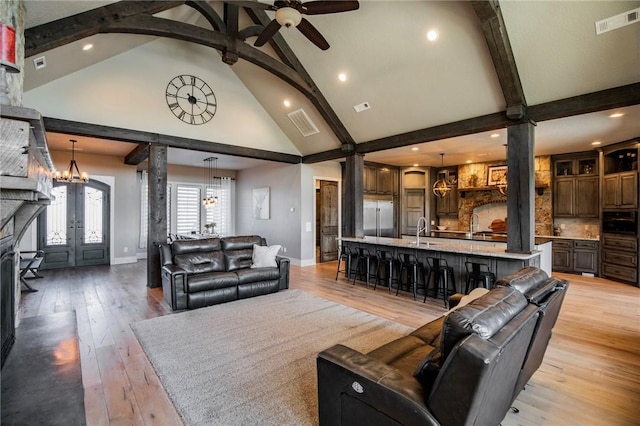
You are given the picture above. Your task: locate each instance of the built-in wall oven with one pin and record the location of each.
(620, 222)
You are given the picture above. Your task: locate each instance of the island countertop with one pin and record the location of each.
(469, 247)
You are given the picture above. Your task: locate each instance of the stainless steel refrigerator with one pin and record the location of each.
(378, 217)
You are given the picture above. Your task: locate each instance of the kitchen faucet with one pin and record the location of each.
(424, 228)
(471, 224)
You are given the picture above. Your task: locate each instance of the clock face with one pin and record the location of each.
(191, 99)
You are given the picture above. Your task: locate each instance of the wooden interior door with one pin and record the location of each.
(414, 210)
(74, 229)
(328, 220)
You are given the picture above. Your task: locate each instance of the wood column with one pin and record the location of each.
(521, 188)
(352, 205)
(157, 232)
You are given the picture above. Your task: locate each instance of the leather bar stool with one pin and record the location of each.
(443, 278)
(413, 269)
(479, 274)
(385, 262)
(363, 265)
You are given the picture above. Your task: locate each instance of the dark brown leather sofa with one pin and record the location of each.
(465, 368)
(197, 273)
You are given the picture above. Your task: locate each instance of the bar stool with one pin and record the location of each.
(442, 277)
(480, 274)
(410, 265)
(345, 253)
(385, 262)
(363, 260)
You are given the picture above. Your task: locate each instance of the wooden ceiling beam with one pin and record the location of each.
(209, 14)
(67, 30)
(127, 135)
(318, 100)
(137, 155)
(497, 39)
(603, 100)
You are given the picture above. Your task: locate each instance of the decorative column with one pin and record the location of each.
(12, 16)
(520, 189)
(352, 207)
(157, 233)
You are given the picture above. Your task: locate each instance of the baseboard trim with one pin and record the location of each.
(123, 260)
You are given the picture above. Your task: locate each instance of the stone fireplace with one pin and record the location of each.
(475, 196)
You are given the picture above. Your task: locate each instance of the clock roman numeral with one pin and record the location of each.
(208, 117)
(182, 80)
(181, 115)
(193, 80)
(173, 95)
(173, 105)
(211, 104)
(193, 119)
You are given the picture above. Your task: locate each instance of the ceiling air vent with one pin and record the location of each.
(302, 121)
(618, 21)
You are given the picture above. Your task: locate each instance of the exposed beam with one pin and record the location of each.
(137, 155)
(252, 31)
(591, 102)
(127, 135)
(318, 100)
(209, 14)
(150, 25)
(67, 30)
(616, 97)
(495, 34)
(230, 55)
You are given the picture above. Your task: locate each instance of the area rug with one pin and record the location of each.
(253, 361)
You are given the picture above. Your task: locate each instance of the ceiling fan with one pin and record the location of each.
(289, 14)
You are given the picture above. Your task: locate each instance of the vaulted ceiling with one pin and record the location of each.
(494, 63)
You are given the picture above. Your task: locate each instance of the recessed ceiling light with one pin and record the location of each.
(596, 143)
(87, 46)
(616, 115)
(432, 35)
(416, 165)
(495, 135)
(469, 161)
(415, 148)
(287, 103)
(342, 77)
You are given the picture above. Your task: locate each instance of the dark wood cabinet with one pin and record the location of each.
(620, 190)
(380, 180)
(575, 256)
(448, 206)
(576, 191)
(620, 258)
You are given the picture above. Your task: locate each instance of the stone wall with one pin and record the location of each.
(475, 176)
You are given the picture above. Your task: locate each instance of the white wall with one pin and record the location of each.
(292, 187)
(128, 91)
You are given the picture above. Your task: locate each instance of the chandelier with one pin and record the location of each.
(72, 174)
(442, 186)
(211, 171)
(501, 185)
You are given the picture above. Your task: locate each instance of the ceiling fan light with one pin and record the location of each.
(288, 17)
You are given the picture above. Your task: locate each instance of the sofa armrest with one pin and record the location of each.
(283, 266)
(173, 286)
(355, 388)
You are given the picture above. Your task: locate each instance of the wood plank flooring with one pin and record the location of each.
(590, 374)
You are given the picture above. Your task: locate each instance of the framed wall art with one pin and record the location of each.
(261, 203)
(496, 175)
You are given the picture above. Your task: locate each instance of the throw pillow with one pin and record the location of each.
(264, 257)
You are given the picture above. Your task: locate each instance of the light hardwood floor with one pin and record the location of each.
(590, 374)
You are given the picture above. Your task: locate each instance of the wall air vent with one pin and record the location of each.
(302, 121)
(618, 21)
(40, 63)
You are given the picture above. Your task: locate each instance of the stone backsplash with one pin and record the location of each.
(475, 176)
(578, 228)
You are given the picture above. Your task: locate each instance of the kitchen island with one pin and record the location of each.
(457, 251)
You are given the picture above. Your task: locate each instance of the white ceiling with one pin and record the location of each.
(409, 82)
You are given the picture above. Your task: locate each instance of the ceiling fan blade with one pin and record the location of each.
(268, 32)
(312, 34)
(320, 7)
(253, 4)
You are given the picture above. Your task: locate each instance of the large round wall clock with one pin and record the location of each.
(191, 99)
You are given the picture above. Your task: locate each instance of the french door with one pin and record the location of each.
(74, 229)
